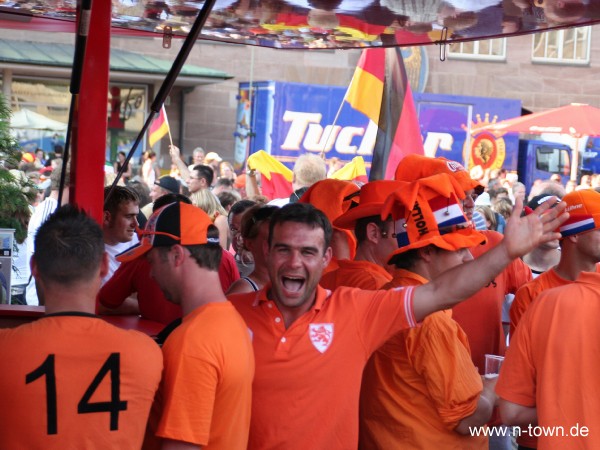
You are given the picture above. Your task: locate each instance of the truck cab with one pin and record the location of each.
(540, 159)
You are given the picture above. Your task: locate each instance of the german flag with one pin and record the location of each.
(380, 90)
(276, 179)
(159, 128)
(353, 171)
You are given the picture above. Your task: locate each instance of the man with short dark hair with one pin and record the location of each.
(205, 395)
(311, 344)
(200, 178)
(71, 380)
(119, 223)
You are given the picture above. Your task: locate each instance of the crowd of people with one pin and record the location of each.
(348, 315)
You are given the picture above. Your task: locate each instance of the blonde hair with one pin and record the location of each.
(309, 169)
(208, 202)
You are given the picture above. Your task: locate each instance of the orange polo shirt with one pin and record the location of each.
(359, 274)
(480, 316)
(307, 380)
(552, 362)
(419, 385)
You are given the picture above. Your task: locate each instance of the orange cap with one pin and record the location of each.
(583, 207)
(427, 212)
(175, 223)
(414, 167)
(371, 199)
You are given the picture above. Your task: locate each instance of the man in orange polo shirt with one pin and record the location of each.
(375, 242)
(311, 345)
(549, 377)
(205, 394)
(420, 389)
(481, 315)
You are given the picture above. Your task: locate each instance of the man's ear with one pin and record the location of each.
(426, 253)
(104, 265)
(106, 217)
(373, 232)
(179, 254)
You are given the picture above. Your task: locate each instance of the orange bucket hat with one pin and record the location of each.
(427, 212)
(333, 197)
(583, 207)
(414, 167)
(371, 199)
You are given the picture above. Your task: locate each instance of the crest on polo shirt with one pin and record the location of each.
(321, 335)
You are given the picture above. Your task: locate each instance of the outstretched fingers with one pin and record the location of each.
(551, 215)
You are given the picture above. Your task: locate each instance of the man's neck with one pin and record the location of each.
(197, 295)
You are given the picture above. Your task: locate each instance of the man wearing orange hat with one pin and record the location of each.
(205, 395)
(374, 235)
(578, 251)
(311, 345)
(420, 390)
(481, 315)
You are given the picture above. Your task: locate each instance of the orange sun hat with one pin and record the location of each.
(428, 212)
(370, 201)
(414, 167)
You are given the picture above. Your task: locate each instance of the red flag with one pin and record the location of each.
(380, 89)
(276, 179)
(159, 128)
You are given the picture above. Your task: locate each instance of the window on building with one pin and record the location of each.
(489, 49)
(569, 46)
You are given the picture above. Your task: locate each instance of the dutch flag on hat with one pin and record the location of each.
(401, 233)
(577, 224)
(447, 212)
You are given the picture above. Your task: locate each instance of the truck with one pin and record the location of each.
(288, 119)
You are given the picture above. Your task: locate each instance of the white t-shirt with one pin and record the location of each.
(113, 251)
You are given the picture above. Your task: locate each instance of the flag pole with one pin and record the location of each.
(168, 126)
(337, 116)
(167, 84)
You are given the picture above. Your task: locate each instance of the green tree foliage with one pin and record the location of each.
(16, 191)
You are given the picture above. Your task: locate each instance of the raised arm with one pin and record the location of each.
(522, 234)
(176, 159)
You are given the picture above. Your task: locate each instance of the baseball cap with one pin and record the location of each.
(168, 183)
(175, 223)
(212, 156)
(370, 201)
(413, 167)
(428, 212)
(584, 212)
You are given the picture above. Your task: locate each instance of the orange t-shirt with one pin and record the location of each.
(73, 381)
(403, 277)
(527, 293)
(552, 362)
(206, 392)
(419, 385)
(480, 316)
(307, 382)
(359, 274)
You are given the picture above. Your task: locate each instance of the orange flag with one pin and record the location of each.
(276, 179)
